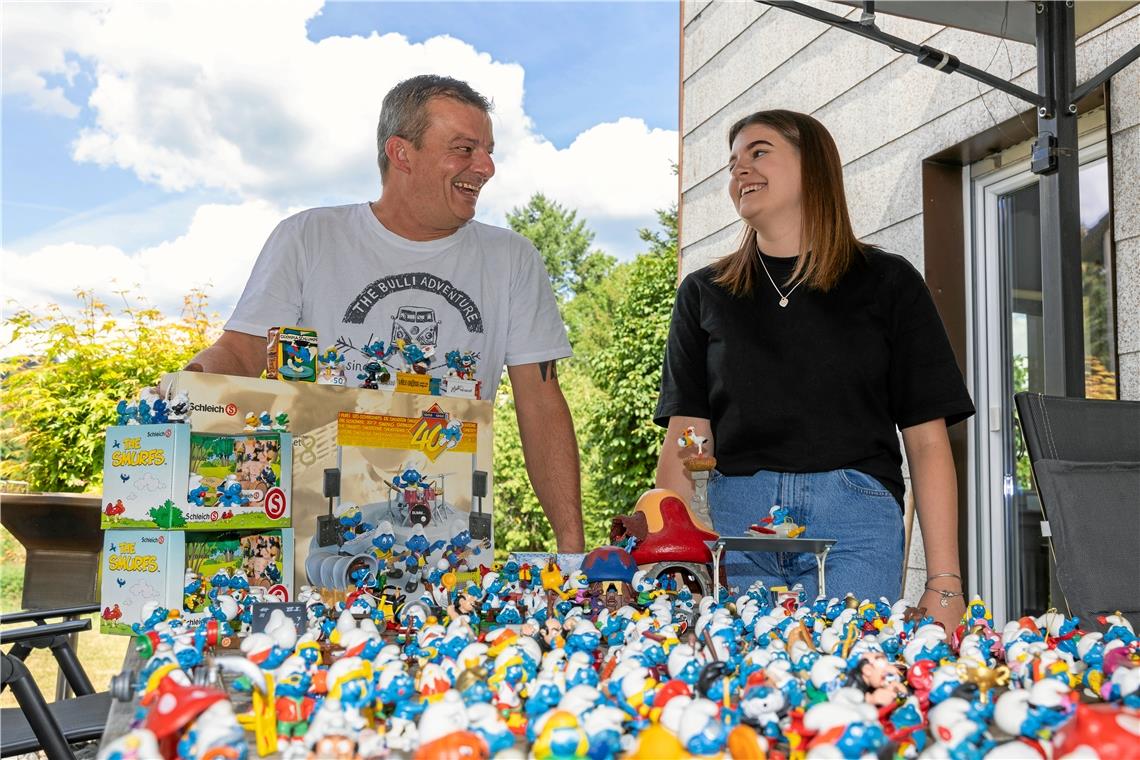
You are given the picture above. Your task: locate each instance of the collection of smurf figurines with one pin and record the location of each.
(152, 408)
(266, 422)
(522, 659)
(376, 372)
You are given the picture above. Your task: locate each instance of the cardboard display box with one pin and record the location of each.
(169, 476)
(142, 566)
(369, 458)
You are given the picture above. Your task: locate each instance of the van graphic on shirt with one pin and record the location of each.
(416, 325)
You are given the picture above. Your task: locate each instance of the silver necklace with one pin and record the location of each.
(783, 296)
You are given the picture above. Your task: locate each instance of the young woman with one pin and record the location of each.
(799, 357)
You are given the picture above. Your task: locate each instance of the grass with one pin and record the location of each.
(102, 656)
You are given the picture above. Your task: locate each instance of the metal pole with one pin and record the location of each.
(926, 55)
(1055, 159)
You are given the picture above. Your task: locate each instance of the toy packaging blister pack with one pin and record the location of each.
(187, 570)
(410, 477)
(165, 476)
(292, 354)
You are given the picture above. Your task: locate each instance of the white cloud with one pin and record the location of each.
(610, 170)
(216, 252)
(236, 97)
(37, 39)
(231, 99)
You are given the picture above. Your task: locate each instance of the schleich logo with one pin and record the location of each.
(228, 409)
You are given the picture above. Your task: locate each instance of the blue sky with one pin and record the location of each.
(148, 135)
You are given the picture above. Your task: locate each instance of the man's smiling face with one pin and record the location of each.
(452, 164)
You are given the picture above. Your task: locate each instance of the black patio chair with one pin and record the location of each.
(36, 724)
(1086, 463)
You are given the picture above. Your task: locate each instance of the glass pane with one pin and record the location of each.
(1096, 271)
(1019, 235)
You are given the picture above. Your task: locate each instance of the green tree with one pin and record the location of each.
(59, 395)
(617, 319)
(626, 369)
(564, 242)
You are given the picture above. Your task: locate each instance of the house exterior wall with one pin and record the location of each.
(887, 114)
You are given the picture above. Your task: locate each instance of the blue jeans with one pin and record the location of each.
(847, 505)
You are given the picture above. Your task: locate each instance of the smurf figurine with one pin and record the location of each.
(296, 359)
(417, 359)
(461, 364)
(229, 493)
(699, 465)
(778, 523)
(127, 413)
(375, 372)
(331, 371)
(689, 438)
(197, 494)
(179, 408)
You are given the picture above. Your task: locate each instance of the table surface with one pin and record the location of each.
(772, 544)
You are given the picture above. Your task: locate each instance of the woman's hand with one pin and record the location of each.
(950, 616)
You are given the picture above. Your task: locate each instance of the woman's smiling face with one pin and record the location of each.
(764, 171)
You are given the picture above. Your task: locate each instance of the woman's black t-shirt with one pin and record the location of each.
(820, 384)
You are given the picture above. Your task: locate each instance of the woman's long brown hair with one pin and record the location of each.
(829, 243)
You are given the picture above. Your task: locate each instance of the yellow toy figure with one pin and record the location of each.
(262, 717)
(560, 735)
(551, 575)
(656, 742)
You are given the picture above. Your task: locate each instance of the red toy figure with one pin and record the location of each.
(669, 539)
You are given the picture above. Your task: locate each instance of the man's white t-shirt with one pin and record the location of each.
(340, 272)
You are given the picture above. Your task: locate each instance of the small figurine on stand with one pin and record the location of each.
(779, 522)
(700, 465)
(461, 364)
(331, 371)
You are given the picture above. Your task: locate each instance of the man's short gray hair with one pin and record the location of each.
(404, 111)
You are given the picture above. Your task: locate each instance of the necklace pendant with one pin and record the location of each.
(783, 302)
(944, 602)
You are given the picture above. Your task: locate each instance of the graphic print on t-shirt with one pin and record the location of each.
(404, 334)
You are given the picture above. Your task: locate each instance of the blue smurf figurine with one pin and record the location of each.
(128, 415)
(159, 412)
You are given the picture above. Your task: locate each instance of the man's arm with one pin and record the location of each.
(550, 449)
(234, 353)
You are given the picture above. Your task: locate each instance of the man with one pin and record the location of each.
(414, 272)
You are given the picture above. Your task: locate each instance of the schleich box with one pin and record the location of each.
(178, 570)
(166, 476)
(315, 411)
